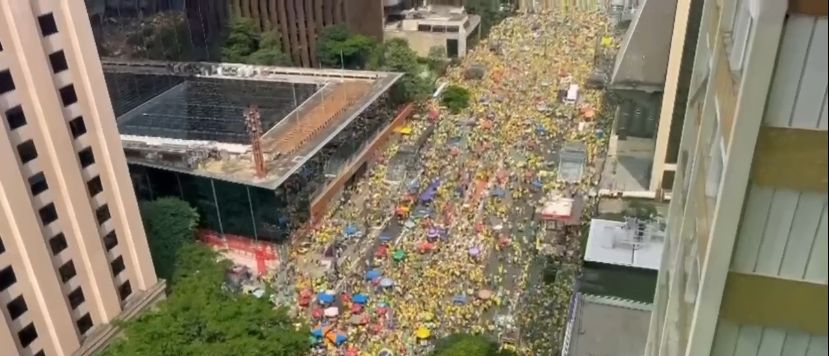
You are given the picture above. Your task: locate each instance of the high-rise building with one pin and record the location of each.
(73, 253)
(744, 270)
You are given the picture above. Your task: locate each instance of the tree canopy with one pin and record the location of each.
(396, 56)
(199, 316)
(245, 43)
(468, 344)
(170, 223)
(455, 98)
(489, 11)
(338, 47)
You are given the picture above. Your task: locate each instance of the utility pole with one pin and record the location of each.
(253, 123)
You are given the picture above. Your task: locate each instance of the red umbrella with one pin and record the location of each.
(316, 313)
(356, 308)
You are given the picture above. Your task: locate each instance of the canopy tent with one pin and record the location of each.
(564, 210)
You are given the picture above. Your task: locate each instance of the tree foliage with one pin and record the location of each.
(170, 223)
(338, 47)
(396, 56)
(489, 11)
(641, 210)
(200, 318)
(166, 37)
(455, 98)
(468, 344)
(246, 44)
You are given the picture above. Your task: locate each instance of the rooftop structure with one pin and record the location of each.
(630, 243)
(447, 27)
(190, 117)
(606, 326)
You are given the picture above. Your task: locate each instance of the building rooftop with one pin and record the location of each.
(604, 326)
(625, 244)
(642, 60)
(189, 117)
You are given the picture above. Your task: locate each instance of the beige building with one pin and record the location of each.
(447, 28)
(744, 271)
(73, 254)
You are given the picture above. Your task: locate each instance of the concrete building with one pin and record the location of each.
(184, 133)
(445, 27)
(745, 267)
(73, 254)
(299, 22)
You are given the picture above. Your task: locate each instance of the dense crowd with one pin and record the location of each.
(453, 249)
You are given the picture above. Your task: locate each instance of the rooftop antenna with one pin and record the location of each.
(253, 123)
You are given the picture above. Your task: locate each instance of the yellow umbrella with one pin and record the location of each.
(423, 333)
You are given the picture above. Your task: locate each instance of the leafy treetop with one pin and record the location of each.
(468, 344)
(338, 47)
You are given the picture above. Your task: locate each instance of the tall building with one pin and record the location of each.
(299, 22)
(745, 262)
(73, 253)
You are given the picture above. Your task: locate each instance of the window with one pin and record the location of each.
(110, 240)
(102, 213)
(86, 157)
(58, 243)
(7, 278)
(94, 186)
(17, 307)
(47, 24)
(84, 324)
(77, 127)
(68, 95)
(2, 248)
(76, 298)
(15, 117)
(117, 265)
(424, 28)
(27, 335)
(125, 290)
(452, 29)
(37, 183)
(58, 62)
(67, 271)
(6, 82)
(27, 151)
(48, 214)
(40, 353)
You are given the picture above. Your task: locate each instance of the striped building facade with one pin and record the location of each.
(744, 270)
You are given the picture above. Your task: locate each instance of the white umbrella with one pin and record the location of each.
(331, 312)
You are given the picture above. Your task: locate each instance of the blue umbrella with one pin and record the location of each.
(372, 274)
(340, 339)
(360, 298)
(384, 237)
(325, 298)
(317, 332)
(351, 229)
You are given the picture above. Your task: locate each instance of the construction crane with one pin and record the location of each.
(253, 123)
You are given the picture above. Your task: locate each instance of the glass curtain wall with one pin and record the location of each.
(228, 208)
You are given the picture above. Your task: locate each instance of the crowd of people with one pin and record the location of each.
(461, 256)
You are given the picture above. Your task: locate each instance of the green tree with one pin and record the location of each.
(170, 223)
(242, 40)
(338, 47)
(455, 98)
(468, 344)
(396, 56)
(641, 210)
(200, 318)
(489, 11)
(269, 51)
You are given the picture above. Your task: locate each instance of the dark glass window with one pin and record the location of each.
(94, 186)
(6, 82)
(27, 151)
(77, 126)
(58, 243)
(67, 271)
(27, 335)
(110, 240)
(17, 307)
(37, 183)
(84, 323)
(40, 353)
(124, 290)
(86, 157)
(48, 214)
(15, 117)
(47, 24)
(68, 95)
(76, 298)
(7, 278)
(58, 62)
(2, 248)
(102, 214)
(117, 265)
